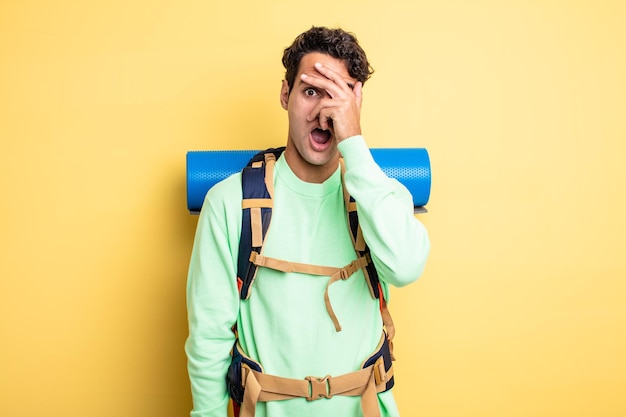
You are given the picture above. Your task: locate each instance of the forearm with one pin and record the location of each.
(398, 241)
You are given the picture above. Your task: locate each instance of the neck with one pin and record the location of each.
(308, 172)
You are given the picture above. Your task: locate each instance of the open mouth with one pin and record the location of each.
(320, 137)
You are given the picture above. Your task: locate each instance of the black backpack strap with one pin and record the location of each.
(257, 189)
(360, 247)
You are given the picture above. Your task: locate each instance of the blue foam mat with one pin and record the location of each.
(410, 166)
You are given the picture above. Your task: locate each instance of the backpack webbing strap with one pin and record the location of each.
(262, 387)
(257, 190)
(335, 274)
(388, 323)
(366, 383)
(256, 204)
(248, 384)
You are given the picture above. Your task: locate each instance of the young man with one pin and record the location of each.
(285, 324)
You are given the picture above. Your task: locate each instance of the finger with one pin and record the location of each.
(358, 93)
(325, 119)
(332, 89)
(324, 122)
(333, 76)
(324, 115)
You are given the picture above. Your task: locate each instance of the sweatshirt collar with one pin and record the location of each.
(307, 189)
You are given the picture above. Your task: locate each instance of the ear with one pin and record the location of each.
(284, 94)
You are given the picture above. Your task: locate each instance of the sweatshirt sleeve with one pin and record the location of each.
(213, 298)
(398, 241)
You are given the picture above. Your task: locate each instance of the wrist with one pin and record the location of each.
(344, 136)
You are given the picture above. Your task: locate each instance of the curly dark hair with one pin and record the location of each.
(334, 42)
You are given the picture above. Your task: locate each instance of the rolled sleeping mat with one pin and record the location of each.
(410, 166)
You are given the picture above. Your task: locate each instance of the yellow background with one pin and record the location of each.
(521, 105)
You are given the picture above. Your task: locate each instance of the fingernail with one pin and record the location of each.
(318, 65)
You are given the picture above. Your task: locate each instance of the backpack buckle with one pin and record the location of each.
(380, 373)
(344, 274)
(318, 387)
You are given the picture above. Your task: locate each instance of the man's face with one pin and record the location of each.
(311, 152)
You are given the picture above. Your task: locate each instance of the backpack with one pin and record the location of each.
(257, 182)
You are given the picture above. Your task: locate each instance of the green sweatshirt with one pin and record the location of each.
(284, 324)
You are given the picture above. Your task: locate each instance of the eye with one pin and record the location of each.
(310, 92)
